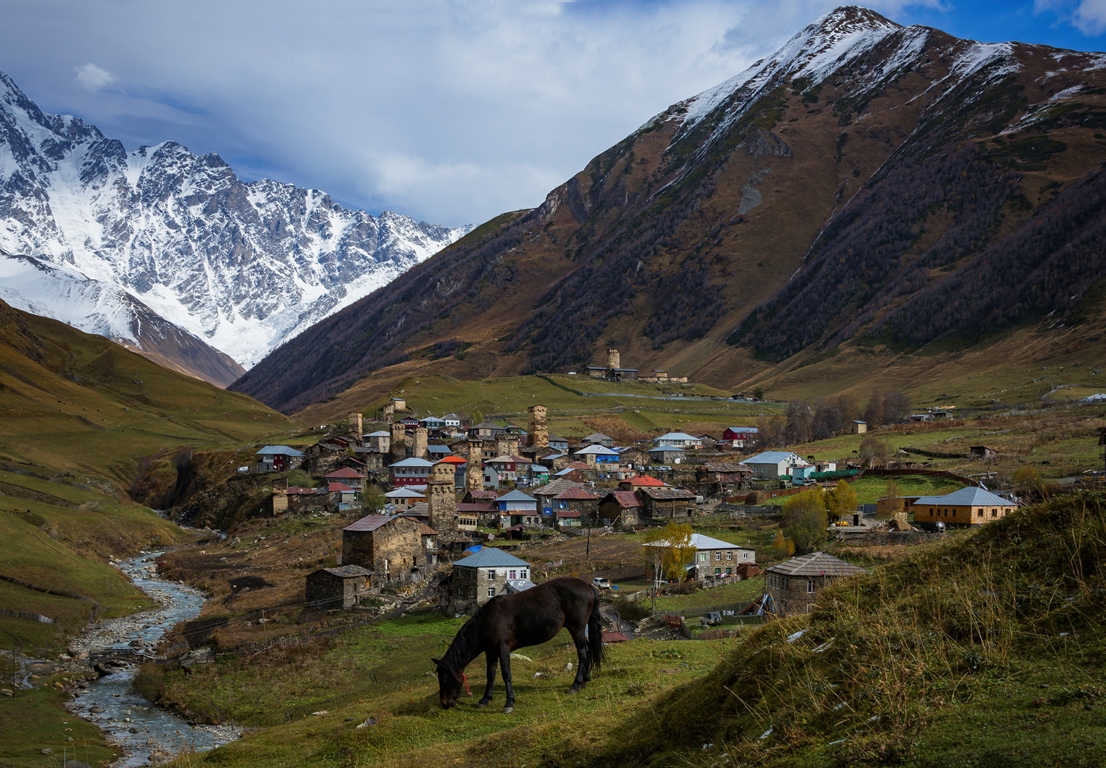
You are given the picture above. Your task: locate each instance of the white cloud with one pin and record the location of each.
(449, 110)
(93, 77)
(1090, 17)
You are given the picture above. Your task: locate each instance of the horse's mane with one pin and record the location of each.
(459, 653)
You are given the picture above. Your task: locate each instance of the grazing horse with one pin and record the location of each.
(532, 617)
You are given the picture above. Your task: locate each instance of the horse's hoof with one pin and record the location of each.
(508, 710)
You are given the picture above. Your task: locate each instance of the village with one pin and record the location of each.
(446, 502)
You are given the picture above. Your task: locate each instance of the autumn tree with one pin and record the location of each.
(782, 547)
(892, 502)
(840, 501)
(873, 451)
(804, 519)
(668, 551)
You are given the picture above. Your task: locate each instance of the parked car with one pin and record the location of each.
(711, 619)
(601, 582)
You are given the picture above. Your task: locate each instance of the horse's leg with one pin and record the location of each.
(583, 666)
(505, 662)
(491, 659)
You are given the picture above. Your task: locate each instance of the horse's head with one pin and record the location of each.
(450, 683)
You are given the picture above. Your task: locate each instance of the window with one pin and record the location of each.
(994, 513)
(729, 571)
(491, 591)
(980, 513)
(717, 571)
(810, 586)
(729, 555)
(491, 574)
(717, 555)
(704, 557)
(511, 575)
(523, 572)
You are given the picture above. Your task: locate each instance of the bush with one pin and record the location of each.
(630, 610)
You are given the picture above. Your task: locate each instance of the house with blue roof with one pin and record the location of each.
(486, 574)
(518, 508)
(967, 507)
(278, 458)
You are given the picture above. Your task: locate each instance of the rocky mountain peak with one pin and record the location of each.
(240, 266)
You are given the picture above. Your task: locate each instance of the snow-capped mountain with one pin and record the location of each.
(868, 184)
(243, 266)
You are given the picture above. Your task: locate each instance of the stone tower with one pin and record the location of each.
(398, 450)
(356, 425)
(441, 498)
(474, 472)
(418, 449)
(539, 428)
(389, 413)
(614, 360)
(503, 444)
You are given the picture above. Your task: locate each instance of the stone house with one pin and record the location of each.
(858, 427)
(598, 438)
(723, 477)
(391, 547)
(545, 494)
(573, 505)
(619, 509)
(340, 587)
(666, 455)
(640, 481)
(794, 584)
(719, 559)
(666, 503)
(483, 575)
(347, 476)
(379, 441)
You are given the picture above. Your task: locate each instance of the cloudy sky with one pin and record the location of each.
(448, 110)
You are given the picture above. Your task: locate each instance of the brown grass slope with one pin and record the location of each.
(894, 184)
(983, 650)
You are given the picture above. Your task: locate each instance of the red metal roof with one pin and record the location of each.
(626, 498)
(343, 473)
(426, 530)
(476, 507)
(453, 460)
(338, 488)
(643, 481)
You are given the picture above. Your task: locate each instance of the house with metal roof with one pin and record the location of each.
(598, 438)
(739, 437)
(597, 455)
(573, 506)
(794, 585)
(620, 509)
(517, 508)
(483, 575)
(410, 472)
(772, 465)
(666, 454)
(339, 587)
(719, 559)
(679, 440)
(391, 547)
(379, 441)
(278, 458)
(967, 507)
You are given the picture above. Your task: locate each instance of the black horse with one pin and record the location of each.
(514, 621)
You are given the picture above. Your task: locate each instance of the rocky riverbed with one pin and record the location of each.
(145, 733)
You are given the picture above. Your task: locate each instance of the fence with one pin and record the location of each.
(27, 616)
(728, 611)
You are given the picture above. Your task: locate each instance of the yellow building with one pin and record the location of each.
(966, 507)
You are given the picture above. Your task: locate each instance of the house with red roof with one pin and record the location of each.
(347, 476)
(573, 506)
(619, 509)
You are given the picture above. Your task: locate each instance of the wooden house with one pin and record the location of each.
(619, 509)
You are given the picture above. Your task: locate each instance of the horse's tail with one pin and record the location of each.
(595, 635)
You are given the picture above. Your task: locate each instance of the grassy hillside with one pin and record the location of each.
(78, 414)
(985, 648)
(571, 400)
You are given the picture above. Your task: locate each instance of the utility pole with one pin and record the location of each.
(587, 547)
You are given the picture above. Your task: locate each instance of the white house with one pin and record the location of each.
(452, 420)
(679, 440)
(772, 465)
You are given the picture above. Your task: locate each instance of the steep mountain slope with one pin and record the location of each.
(241, 266)
(869, 182)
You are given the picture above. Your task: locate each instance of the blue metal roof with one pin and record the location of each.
(491, 557)
(965, 497)
(278, 450)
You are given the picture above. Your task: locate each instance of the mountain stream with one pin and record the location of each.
(145, 733)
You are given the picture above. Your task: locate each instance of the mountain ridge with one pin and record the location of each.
(751, 223)
(238, 265)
